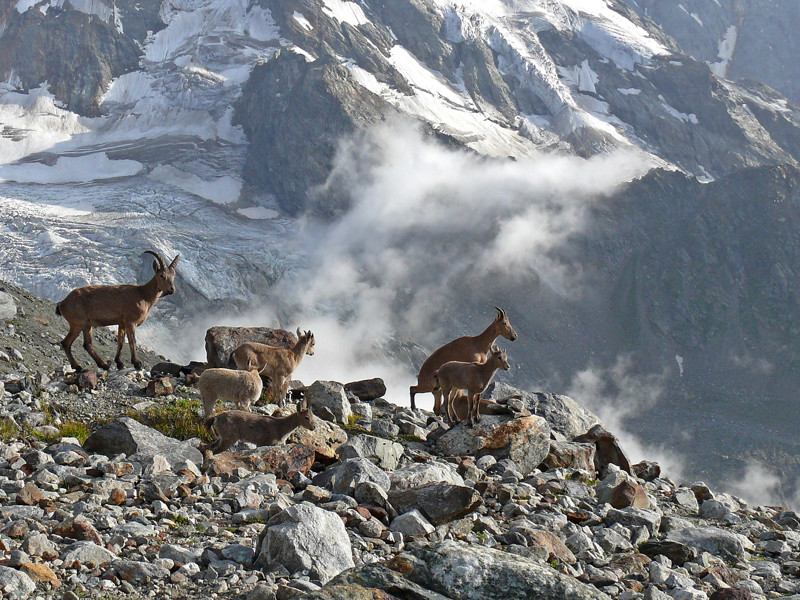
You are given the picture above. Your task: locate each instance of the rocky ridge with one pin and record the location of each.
(387, 502)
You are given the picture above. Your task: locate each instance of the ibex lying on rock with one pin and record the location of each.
(235, 425)
(471, 348)
(472, 377)
(126, 306)
(276, 363)
(241, 387)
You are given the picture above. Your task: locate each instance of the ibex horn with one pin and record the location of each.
(500, 312)
(174, 261)
(158, 257)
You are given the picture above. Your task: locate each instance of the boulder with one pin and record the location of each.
(676, 552)
(304, 537)
(284, 460)
(366, 389)
(566, 417)
(607, 449)
(166, 368)
(15, 584)
(635, 517)
(222, 341)
(128, 436)
(524, 440)
(325, 438)
(713, 540)
(459, 570)
(384, 452)
(353, 471)
(439, 502)
(570, 455)
(8, 306)
(412, 524)
(329, 401)
(162, 386)
(139, 572)
(421, 473)
(87, 553)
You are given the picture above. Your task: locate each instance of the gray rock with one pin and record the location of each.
(38, 544)
(384, 428)
(685, 498)
(421, 473)
(15, 584)
(362, 409)
(329, 401)
(459, 570)
(439, 502)
(178, 554)
(8, 306)
(412, 524)
(139, 572)
(713, 540)
(635, 517)
(611, 541)
(238, 553)
(367, 389)
(140, 443)
(88, 553)
(304, 537)
(717, 508)
(386, 453)
(355, 470)
(524, 440)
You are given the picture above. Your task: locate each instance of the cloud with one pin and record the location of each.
(758, 485)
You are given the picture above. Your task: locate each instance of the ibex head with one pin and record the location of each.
(308, 338)
(504, 325)
(164, 275)
(305, 414)
(501, 358)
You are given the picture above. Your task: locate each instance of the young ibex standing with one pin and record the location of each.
(235, 425)
(126, 306)
(276, 363)
(241, 387)
(470, 376)
(470, 348)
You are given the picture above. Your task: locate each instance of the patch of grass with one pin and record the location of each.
(179, 419)
(8, 430)
(355, 429)
(410, 437)
(75, 429)
(180, 520)
(354, 418)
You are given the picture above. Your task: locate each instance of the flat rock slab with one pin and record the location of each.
(525, 440)
(130, 437)
(222, 341)
(439, 502)
(713, 540)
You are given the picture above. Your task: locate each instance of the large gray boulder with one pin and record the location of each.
(87, 553)
(384, 452)
(355, 470)
(139, 442)
(304, 537)
(329, 401)
(8, 306)
(566, 417)
(439, 502)
(466, 572)
(713, 540)
(16, 585)
(525, 440)
(422, 473)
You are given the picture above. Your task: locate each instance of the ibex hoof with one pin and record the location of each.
(137, 365)
(120, 365)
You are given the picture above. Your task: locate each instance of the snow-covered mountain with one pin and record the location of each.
(403, 165)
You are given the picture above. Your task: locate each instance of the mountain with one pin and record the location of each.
(620, 176)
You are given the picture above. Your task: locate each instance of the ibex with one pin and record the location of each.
(276, 363)
(126, 306)
(235, 425)
(470, 348)
(470, 376)
(241, 387)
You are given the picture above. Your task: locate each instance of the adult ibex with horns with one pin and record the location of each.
(124, 305)
(470, 348)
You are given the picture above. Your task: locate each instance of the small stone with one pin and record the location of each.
(412, 524)
(87, 380)
(163, 386)
(117, 496)
(30, 495)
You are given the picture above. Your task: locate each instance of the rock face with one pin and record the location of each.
(306, 537)
(222, 341)
(491, 574)
(524, 440)
(132, 438)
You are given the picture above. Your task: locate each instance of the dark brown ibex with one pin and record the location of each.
(124, 305)
(470, 348)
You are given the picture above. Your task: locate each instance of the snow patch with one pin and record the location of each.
(726, 47)
(345, 12)
(629, 91)
(222, 190)
(580, 76)
(302, 21)
(673, 112)
(25, 5)
(69, 169)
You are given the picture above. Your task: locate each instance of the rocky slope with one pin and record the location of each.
(377, 501)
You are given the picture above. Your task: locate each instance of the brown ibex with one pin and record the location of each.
(276, 363)
(470, 376)
(470, 348)
(232, 426)
(241, 387)
(124, 305)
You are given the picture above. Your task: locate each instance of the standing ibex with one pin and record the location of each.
(470, 348)
(470, 376)
(232, 426)
(125, 305)
(276, 363)
(241, 387)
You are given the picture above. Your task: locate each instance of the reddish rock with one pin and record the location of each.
(571, 455)
(163, 386)
(87, 380)
(30, 495)
(40, 574)
(78, 529)
(117, 496)
(222, 341)
(551, 542)
(284, 461)
(628, 494)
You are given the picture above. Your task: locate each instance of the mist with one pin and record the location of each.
(423, 241)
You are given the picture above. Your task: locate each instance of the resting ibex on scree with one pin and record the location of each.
(125, 305)
(470, 348)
